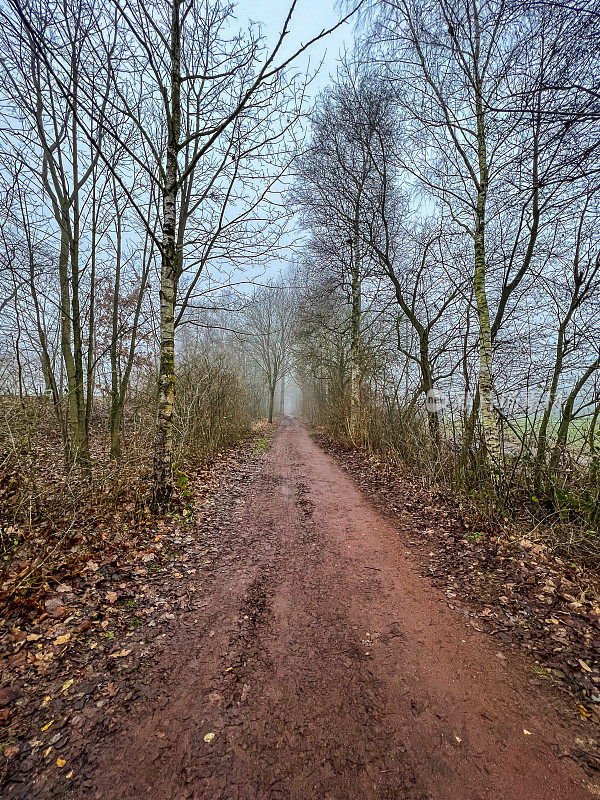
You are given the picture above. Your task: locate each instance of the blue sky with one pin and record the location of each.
(310, 17)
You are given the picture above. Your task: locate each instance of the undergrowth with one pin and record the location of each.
(559, 507)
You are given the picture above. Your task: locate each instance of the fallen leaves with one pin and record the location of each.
(120, 654)
(8, 695)
(77, 635)
(55, 608)
(584, 712)
(209, 737)
(506, 583)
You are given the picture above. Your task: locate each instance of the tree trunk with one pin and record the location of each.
(82, 449)
(355, 321)
(488, 416)
(433, 419)
(71, 444)
(594, 465)
(115, 426)
(542, 446)
(90, 366)
(541, 453)
(115, 394)
(567, 417)
(282, 394)
(271, 402)
(163, 442)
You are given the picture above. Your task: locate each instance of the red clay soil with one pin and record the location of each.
(322, 666)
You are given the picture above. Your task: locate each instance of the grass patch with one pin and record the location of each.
(260, 445)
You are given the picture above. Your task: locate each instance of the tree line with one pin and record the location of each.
(143, 151)
(450, 195)
(444, 303)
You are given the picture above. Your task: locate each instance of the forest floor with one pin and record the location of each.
(296, 642)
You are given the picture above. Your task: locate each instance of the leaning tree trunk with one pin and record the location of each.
(542, 447)
(163, 441)
(567, 416)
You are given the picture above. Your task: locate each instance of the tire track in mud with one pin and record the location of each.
(245, 648)
(304, 501)
(321, 667)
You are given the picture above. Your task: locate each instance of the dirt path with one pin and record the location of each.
(327, 669)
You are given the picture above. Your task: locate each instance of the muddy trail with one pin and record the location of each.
(320, 665)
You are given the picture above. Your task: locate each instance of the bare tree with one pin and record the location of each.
(202, 100)
(61, 171)
(334, 182)
(269, 326)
